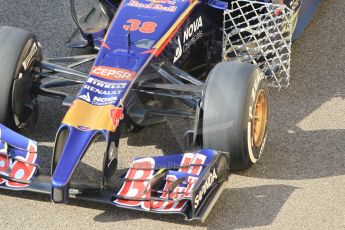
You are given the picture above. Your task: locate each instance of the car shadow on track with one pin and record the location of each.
(236, 208)
(256, 209)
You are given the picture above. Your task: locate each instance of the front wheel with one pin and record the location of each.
(235, 106)
(19, 54)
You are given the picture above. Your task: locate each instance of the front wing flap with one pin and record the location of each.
(18, 160)
(187, 184)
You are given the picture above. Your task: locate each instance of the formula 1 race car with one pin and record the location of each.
(215, 59)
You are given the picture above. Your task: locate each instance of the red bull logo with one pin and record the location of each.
(116, 115)
(170, 2)
(155, 5)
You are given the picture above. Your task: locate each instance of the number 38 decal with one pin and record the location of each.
(144, 27)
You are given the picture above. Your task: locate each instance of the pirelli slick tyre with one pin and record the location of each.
(235, 108)
(19, 54)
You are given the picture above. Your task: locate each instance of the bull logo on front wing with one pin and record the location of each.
(116, 115)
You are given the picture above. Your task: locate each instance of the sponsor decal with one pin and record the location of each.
(101, 101)
(192, 29)
(30, 56)
(192, 41)
(147, 27)
(137, 181)
(116, 115)
(15, 168)
(162, 2)
(104, 94)
(179, 50)
(85, 97)
(190, 36)
(192, 161)
(102, 91)
(98, 100)
(32, 146)
(155, 5)
(208, 183)
(105, 84)
(112, 73)
(178, 193)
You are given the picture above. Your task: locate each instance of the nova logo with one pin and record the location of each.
(85, 97)
(189, 37)
(104, 99)
(179, 51)
(192, 28)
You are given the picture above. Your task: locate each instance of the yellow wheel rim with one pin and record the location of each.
(260, 118)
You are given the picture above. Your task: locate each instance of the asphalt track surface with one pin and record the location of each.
(298, 182)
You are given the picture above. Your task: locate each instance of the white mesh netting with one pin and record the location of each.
(261, 34)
